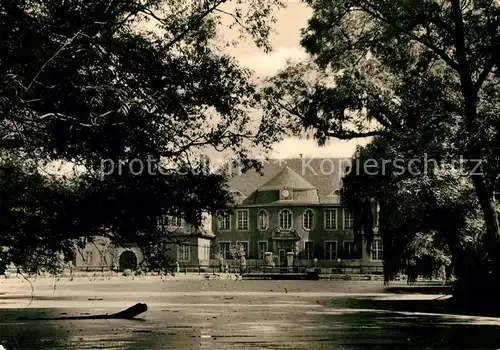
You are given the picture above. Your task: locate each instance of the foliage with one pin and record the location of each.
(237, 252)
(423, 75)
(393, 68)
(425, 198)
(113, 87)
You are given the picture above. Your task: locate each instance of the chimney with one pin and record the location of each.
(300, 154)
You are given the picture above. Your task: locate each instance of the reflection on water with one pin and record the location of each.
(190, 326)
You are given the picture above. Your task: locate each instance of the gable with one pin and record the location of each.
(287, 178)
(324, 174)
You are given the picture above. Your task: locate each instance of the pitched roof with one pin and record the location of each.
(286, 178)
(324, 174)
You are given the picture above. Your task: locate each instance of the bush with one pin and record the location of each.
(128, 273)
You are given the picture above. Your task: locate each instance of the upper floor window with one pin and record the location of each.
(376, 250)
(348, 220)
(174, 221)
(242, 219)
(224, 220)
(263, 220)
(330, 219)
(285, 219)
(308, 219)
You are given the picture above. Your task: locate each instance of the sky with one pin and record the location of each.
(286, 45)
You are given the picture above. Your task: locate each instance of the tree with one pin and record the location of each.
(96, 88)
(436, 206)
(392, 68)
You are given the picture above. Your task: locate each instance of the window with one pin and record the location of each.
(348, 220)
(263, 220)
(331, 219)
(206, 252)
(242, 220)
(376, 250)
(244, 245)
(224, 250)
(330, 250)
(183, 252)
(285, 218)
(349, 249)
(308, 250)
(174, 221)
(224, 220)
(262, 249)
(163, 221)
(103, 259)
(89, 257)
(377, 214)
(308, 219)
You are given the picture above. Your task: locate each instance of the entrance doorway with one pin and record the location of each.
(282, 257)
(128, 261)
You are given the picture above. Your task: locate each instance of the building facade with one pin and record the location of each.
(190, 247)
(292, 210)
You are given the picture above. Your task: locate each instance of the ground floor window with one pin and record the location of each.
(330, 250)
(244, 245)
(183, 252)
(262, 249)
(308, 250)
(376, 250)
(224, 250)
(349, 249)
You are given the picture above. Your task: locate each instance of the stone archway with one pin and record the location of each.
(128, 261)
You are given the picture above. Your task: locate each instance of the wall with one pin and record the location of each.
(318, 234)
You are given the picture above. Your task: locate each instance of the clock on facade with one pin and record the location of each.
(285, 193)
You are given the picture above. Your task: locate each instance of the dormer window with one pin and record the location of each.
(237, 193)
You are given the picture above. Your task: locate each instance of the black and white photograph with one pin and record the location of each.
(249, 174)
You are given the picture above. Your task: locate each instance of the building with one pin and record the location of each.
(190, 247)
(292, 210)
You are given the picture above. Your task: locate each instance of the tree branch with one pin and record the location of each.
(11, 143)
(441, 53)
(353, 135)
